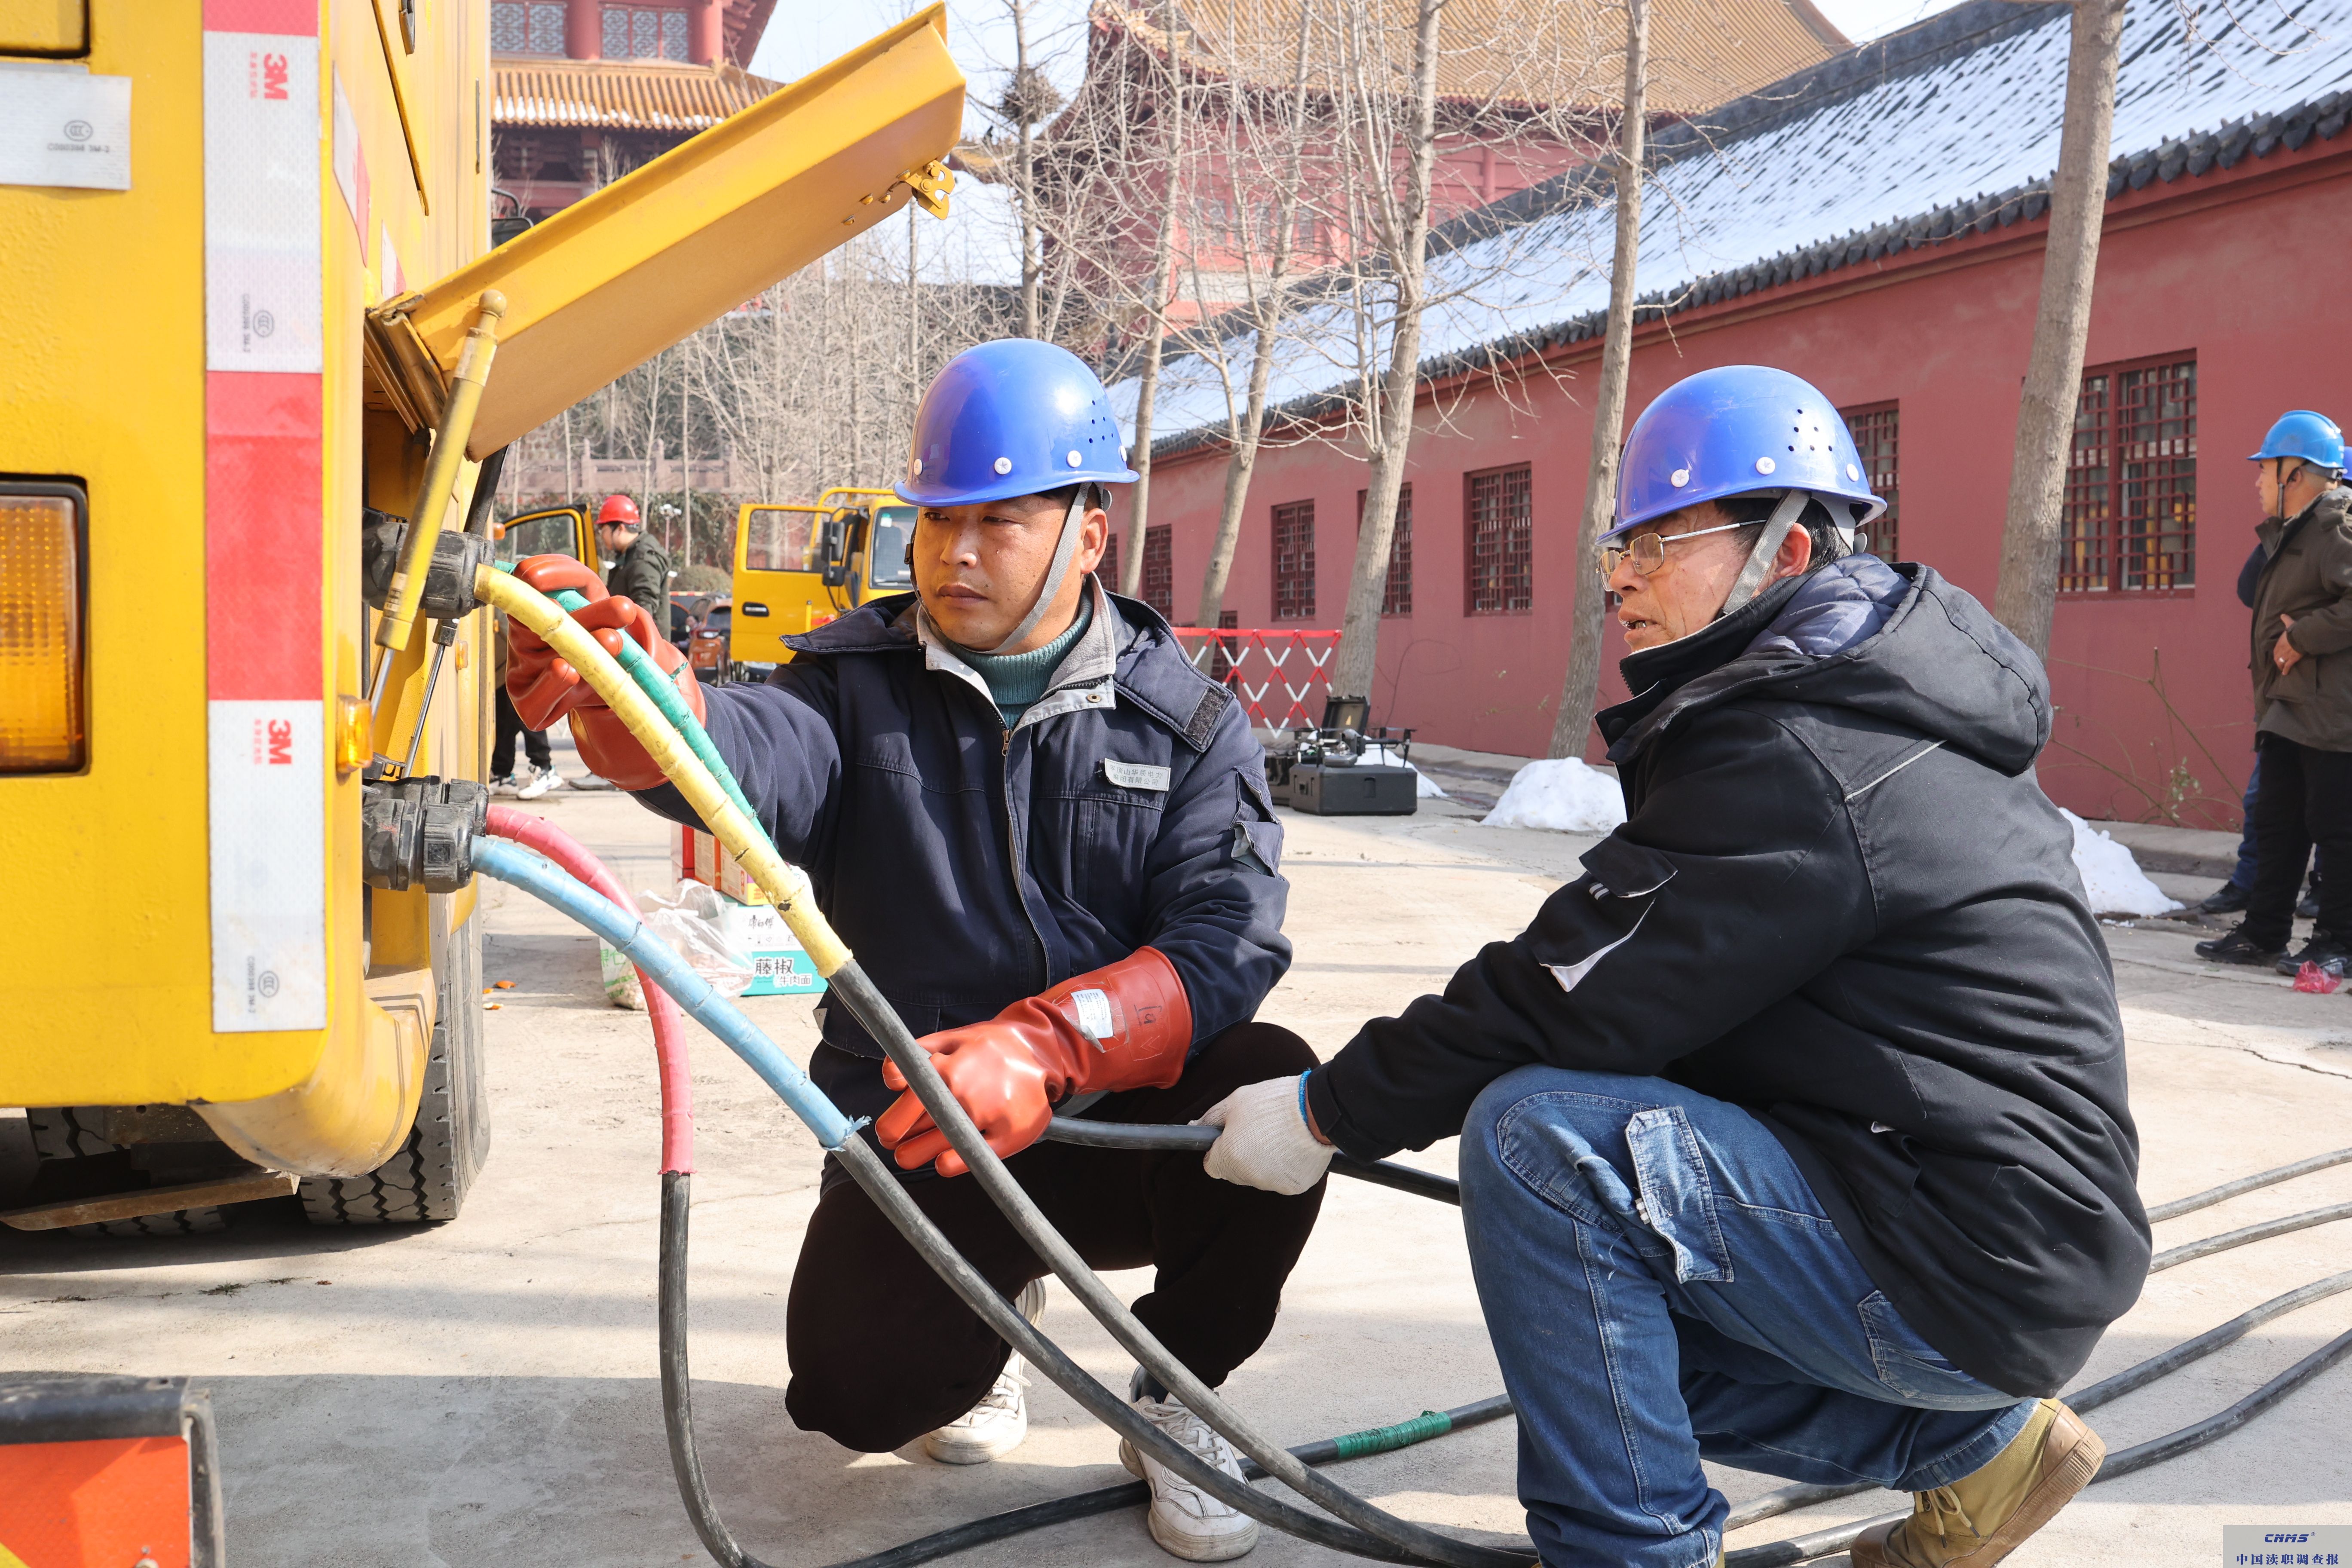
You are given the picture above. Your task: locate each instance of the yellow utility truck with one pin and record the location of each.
(799, 564)
(240, 452)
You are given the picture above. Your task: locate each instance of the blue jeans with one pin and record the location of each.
(1660, 1285)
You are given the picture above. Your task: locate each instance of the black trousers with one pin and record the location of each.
(2306, 801)
(534, 742)
(882, 1351)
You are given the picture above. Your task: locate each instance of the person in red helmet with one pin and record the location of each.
(640, 566)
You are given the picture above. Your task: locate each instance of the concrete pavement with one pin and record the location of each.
(485, 1391)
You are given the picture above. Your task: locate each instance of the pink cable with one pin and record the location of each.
(669, 1033)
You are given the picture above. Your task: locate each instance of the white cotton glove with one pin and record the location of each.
(1266, 1143)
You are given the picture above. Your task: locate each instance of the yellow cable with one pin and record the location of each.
(787, 885)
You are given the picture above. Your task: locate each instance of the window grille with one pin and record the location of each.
(1500, 543)
(1158, 569)
(1396, 595)
(535, 28)
(1876, 431)
(1294, 561)
(2129, 521)
(633, 32)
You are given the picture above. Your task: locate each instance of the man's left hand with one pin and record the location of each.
(2285, 653)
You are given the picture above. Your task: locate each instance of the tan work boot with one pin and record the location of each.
(1983, 1517)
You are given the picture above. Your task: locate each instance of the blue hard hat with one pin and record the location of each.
(1736, 430)
(1014, 417)
(2314, 437)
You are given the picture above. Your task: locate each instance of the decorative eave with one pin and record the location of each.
(531, 91)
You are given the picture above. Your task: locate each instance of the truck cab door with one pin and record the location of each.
(559, 531)
(779, 582)
(883, 566)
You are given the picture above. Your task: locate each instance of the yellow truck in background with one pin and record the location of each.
(799, 564)
(236, 442)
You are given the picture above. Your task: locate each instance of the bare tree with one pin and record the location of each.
(1400, 228)
(1169, 173)
(2028, 592)
(1581, 690)
(1272, 147)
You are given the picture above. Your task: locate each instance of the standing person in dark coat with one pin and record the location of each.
(1049, 840)
(640, 565)
(2230, 897)
(1794, 1133)
(2302, 666)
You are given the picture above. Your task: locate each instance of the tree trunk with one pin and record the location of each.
(1579, 693)
(1033, 257)
(1130, 563)
(2053, 378)
(1391, 437)
(1268, 311)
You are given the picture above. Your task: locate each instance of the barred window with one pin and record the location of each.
(535, 28)
(1876, 429)
(1396, 596)
(637, 33)
(1294, 561)
(1499, 542)
(2129, 523)
(1160, 569)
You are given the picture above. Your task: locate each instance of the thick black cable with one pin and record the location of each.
(1126, 1494)
(1787, 1499)
(2245, 1184)
(1403, 1540)
(2171, 1446)
(1156, 1135)
(2192, 1251)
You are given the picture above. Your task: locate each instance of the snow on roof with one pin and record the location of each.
(1945, 126)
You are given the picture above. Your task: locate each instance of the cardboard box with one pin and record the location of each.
(695, 856)
(780, 966)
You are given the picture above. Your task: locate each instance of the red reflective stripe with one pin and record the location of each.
(263, 552)
(299, 17)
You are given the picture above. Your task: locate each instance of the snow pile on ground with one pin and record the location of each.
(1563, 794)
(2111, 878)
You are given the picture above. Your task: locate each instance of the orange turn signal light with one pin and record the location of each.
(43, 726)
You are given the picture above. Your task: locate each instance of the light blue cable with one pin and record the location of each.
(542, 879)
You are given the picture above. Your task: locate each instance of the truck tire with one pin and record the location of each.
(71, 1133)
(428, 1178)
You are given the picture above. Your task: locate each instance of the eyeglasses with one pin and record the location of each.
(1648, 550)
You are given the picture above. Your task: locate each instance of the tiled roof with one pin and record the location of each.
(1563, 53)
(619, 95)
(1946, 129)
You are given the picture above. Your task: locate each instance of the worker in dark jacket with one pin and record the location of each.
(640, 568)
(1048, 839)
(1794, 1132)
(2302, 667)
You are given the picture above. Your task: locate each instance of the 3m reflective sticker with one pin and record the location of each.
(64, 127)
(263, 298)
(268, 820)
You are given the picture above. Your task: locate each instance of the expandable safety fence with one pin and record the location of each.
(1282, 675)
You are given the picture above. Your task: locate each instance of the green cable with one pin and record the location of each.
(663, 690)
(1403, 1435)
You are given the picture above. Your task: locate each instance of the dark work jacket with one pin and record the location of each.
(2308, 575)
(1841, 902)
(643, 574)
(968, 866)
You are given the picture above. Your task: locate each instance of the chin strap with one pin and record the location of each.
(1065, 549)
(1759, 560)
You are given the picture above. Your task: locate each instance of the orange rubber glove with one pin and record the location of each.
(545, 687)
(1126, 1026)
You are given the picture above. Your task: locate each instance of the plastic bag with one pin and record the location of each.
(689, 923)
(2316, 981)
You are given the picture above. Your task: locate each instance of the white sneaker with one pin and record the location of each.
(998, 1423)
(1187, 1521)
(504, 788)
(541, 781)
